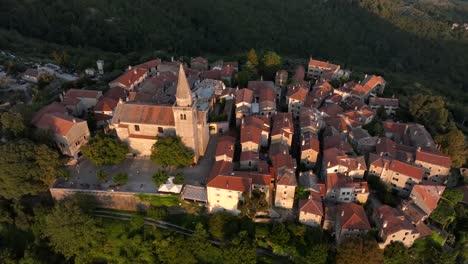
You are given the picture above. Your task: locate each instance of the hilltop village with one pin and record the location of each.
(312, 145)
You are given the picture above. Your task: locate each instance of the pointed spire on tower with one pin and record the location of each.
(183, 92)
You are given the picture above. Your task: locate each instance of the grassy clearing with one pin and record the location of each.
(160, 200)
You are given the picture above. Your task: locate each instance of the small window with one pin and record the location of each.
(160, 130)
(137, 128)
(183, 117)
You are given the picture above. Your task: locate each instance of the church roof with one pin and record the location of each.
(183, 92)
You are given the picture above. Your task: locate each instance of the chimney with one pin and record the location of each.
(261, 78)
(303, 142)
(419, 149)
(385, 223)
(342, 213)
(172, 58)
(157, 74)
(328, 164)
(121, 101)
(134, 72)
(74, 120)
(129, 67)
(365, 77)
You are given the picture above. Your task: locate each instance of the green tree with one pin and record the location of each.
(27, 169)
(220, 225)
(157, 213)
(160, 177)
(70, 231)
(172, 250)
(279, 234)
(445, 213)
(170, 151)
(203, 250)
(453, 144)
(120, 178)
(252, 60)
(429, 110)
(253, 203)
(102, 176)
(396, 253)
(105, 150)
(240, 251)
(354, 250)
(13, 123)
(317, 254)
(178, 178)
(375, 128)
(271, 59)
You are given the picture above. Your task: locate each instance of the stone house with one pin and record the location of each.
(435, 164)
(130, 79)
(283, 129)
(68, 133)
(295, 98)
(310, 148)
(311, 210)
(340, 188)
(351, 219)
(389, 104)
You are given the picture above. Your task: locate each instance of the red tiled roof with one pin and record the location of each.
(286, 176)
(244, 96)
(102, 117)
(331, 110)
(228, 182)
(280, 157)
(352, 216)
(58, 123)
(116, 93)
(322, 64)
(310, 141)
(406, 169)
(225, 146)
(199, 60)
(367, 85)
(386, 145)
(251, 129)
(338, 141)
(130, 77)
(70, 101)
(297, 92)
(260, 85)
(140, 97)
(313, 205)
(429, 195)
(143, 114)
(149, 64)
(394, 220)
(249, 155)
(434, 158)
(283, 124)
(211, 74)
(51, 108)
(106, 104)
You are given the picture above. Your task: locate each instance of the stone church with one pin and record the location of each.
(138, 124)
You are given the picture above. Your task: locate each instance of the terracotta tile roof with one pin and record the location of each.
(380, 101)
(220, 168)
(51, 108)
(352, 216)
(140, 113)
(244, 96)
(106, 104)
(280, 157)
(331, 110)
(335, 98)
(338, 141)
(286, 176)
(226, 146)
(149, 64)
(434, 158)
(230, 182)
(333, 157)
(58, 123)
(368, 85)
(116, 93)
(323, 85)
(338, 123)
(252, 128)
(427, 195)
(283, 124)
(413, 212)
(266, 96)
(142, 97)
(211, 74)
(336, 181)
(406, 169)
(386, 146)
(297, 92)
(227, 71)
(391, 220)
(299, 73)
(313, 205)
(222, 176)
(423, 230)
(260, 85)
(130, 77)
(322, 65)
(249, 156)
(310, 140)
(70, 101)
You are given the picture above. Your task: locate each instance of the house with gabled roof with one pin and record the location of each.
(282, 129)
(69, 133)
(394, 226)
(310, 148)
(435, 164)
(296, 96)
(225, 148)
(254, 132)
(340, 188)
(337, 161)
(390, 105)
(427, 197)
(318, 69)
(244, 100)
(311, 210)
(281, 78)
(351, 219)
(199, 64)
(79, 101)
(285, 185)
(371, 86)
(133, 77)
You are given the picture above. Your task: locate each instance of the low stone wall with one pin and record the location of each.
(113, 200)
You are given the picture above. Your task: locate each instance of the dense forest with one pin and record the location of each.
(409, 42)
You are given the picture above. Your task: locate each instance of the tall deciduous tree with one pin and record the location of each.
(252, 60)
(27, 169)
(170, 151)
(13, 122)
(70, 231)
(453, 144)
(105, 150)
(429, 110)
